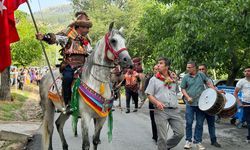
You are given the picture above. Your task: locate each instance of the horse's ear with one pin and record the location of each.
(121, 29)
(111, 26)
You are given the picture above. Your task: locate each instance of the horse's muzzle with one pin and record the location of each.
(125, 60)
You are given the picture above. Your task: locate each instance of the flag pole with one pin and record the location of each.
(45, 54)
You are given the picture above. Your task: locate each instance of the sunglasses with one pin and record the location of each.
(202, 69)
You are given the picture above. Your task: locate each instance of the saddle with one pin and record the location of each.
(52, 94)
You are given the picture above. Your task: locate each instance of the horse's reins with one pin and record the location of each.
(108, 47)
(105, 66)
(141, 109)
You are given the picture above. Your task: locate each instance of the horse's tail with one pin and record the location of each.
(48, 111)
(42, 95)
(45, 135)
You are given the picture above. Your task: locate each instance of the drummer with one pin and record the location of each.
(210, 118)
(244, 86)
(192, 86)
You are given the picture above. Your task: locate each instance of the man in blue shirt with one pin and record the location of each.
(192, 86)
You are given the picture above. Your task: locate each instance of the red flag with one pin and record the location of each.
(8, 33)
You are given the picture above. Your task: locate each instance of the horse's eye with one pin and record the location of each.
(113, 41)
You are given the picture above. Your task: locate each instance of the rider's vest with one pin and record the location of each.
(76, 43)
(75, 50)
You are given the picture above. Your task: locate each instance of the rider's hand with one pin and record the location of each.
(39, 36)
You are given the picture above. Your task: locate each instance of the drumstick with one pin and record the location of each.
(245, 105)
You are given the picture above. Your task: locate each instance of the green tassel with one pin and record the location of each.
(110, 126)
(75, 104)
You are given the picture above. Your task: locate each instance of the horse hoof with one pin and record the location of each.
(65, 147)
(98, 141)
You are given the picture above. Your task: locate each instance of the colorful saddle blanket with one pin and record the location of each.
(52, 94)
(100, 105)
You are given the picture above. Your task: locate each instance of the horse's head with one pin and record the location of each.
(115, 49)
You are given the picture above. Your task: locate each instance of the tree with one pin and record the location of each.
(23, 52)
(125, 13)
(5, 85)
(214, 32)
(28, 49)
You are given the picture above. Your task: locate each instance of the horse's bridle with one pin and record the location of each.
(108, 47)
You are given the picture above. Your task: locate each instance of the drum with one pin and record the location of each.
(230, 107)
(211, 101)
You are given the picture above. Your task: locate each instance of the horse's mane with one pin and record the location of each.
(89, 61)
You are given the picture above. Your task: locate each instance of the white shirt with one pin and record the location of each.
(244, 86)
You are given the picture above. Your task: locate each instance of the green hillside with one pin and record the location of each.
(55, 18)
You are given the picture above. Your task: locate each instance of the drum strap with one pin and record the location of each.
(204, 82)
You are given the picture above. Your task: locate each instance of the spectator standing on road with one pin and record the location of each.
(12, 78)
(21, 79)
(38, 78)
(131, 79)
(210, 119)
(243, 85)
(192, 86)
(151, 107)
(162, 92)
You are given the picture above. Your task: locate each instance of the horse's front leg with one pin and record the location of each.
(85, 121)
(59, 125)
(98, 127)
(75, 130)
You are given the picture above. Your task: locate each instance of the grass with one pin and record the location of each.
(8, 108)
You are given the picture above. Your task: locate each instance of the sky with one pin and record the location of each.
(34, 4)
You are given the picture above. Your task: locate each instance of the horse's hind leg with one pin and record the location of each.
(98, 127)
(59, 125)
(48, 121)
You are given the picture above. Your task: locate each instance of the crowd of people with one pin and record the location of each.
(24, 76)
(162, 87)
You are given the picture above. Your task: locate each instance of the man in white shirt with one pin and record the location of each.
(244, 86)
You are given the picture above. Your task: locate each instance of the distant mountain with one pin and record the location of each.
(55, 18)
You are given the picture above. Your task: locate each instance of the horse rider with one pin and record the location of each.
(75, 45)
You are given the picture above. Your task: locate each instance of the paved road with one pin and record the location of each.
(133, 132)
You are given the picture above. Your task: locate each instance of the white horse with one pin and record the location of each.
(108, 51)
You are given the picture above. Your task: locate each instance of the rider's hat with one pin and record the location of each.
(82, 20)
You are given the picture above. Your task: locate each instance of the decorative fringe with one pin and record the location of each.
(110, 126)
(102, 89)
(75, 104)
